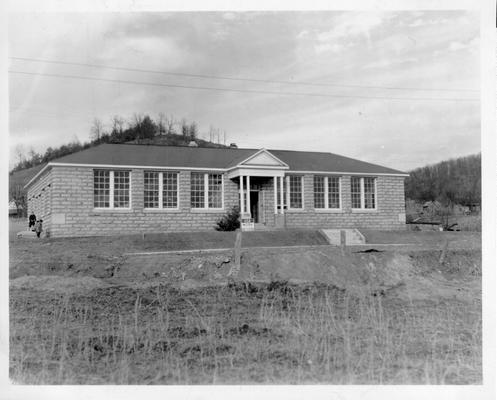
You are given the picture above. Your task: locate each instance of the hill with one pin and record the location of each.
(142, 130)
(455, 181)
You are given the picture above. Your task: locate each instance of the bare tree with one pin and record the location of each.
(117, 125)
(97, 129)
(161, 124)
(20, 153)
(185, 129)
(193, 130)
(18, 196)
(169, 124)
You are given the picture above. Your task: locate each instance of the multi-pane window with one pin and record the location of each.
(151, 189)
(295, 191)
(197, 191)
(169, 189)
(215, 194)
(333, 191)
(369, 193)
(363, 192)
(319, 191)
(121, 189)
(206, 190)
(101, 188)
(326, 192)
(111, 189)
(160, 189)
(355, 192)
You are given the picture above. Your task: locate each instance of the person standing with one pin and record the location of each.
(39, 227)
(32, 221)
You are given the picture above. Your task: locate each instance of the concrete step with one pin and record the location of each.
(352, 236)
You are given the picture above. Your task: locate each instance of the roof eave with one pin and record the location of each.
(37, 175)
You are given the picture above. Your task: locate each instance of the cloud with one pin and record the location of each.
(456, 46)
(303, 34)
(352, 24)
(328, 47)
(388, 63)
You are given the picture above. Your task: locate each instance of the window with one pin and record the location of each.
(326, 192)
(369, 193)
(363, 192)
(160, 189)
(111, 189)
(215, 195)
(206, 190)
(169, 189)
(101, 189)
(295, 191)
(151, 189)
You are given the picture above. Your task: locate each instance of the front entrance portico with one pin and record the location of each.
(262, 173)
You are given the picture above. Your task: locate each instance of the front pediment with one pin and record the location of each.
(263, 158)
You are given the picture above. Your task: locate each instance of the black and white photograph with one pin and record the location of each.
(247, 197)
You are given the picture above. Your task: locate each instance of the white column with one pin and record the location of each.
(241, 196)
(275, 194)
(249, 212)
(287, 194)
(281, 195)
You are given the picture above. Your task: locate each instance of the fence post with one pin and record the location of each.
(237, 252)
(444, 252)
(343, 240)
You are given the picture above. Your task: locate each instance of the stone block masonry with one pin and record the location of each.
(73, 204)
(388, 215)
(63, 198)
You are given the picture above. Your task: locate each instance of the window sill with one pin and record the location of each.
(102, 211)
(329, 210)
(161, 210)
(364, 210)
(290, 210)
(207, 210)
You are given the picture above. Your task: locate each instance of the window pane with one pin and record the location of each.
(319, 192)
(170, 189)
(101, 188)
(197, 191)
(121, 189)
(215, 191)
(369, 193)
(355, 190)
(151, 189)
(333, 192)
(295, 192)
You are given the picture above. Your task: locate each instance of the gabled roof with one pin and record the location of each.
(150, 156)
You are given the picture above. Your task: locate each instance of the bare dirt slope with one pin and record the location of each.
(82, 312)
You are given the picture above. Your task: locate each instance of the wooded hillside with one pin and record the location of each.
(139, 129)
(455, 181)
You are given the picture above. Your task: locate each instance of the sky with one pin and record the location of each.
(396, 88)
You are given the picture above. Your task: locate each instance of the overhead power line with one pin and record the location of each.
(329, 84)
(121, 81)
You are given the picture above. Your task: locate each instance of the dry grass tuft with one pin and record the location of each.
(241, 333)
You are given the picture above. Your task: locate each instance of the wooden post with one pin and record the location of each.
(343, 240)
(444, 252)
(237, 254)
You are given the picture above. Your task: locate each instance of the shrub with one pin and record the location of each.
(230, 221)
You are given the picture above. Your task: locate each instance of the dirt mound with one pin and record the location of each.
(58, 284)
(350, 271)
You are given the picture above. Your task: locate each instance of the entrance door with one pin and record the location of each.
(254, 205)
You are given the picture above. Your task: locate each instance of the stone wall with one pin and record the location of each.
(39, 197)
(389, 214)
(63, 198)
(74, 214)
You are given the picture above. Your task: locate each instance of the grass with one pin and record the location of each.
(241, 333)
